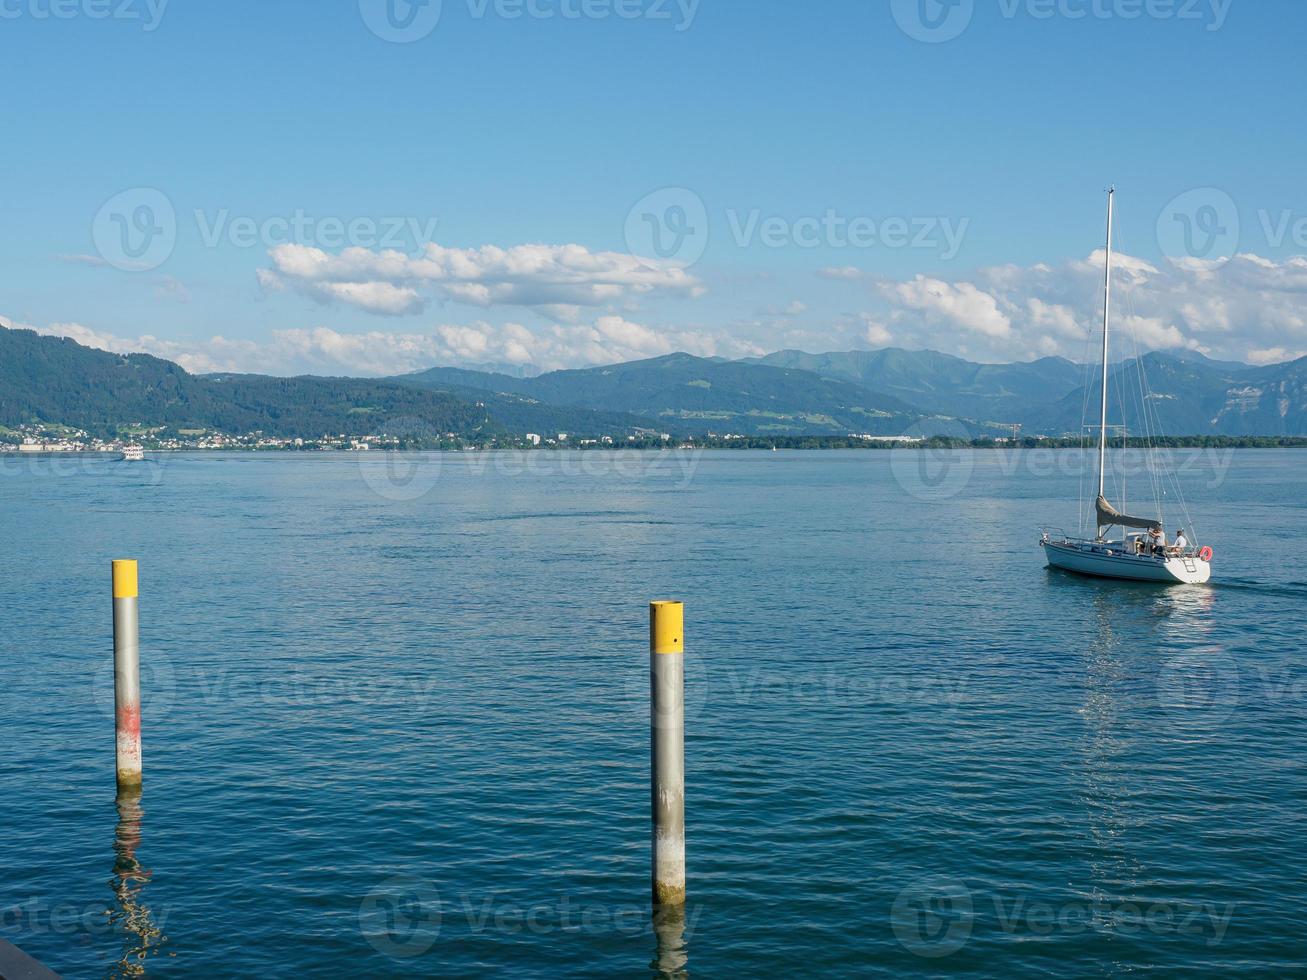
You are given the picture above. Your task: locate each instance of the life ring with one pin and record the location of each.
(1206, 554)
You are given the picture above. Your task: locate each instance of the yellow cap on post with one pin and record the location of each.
(667, 627)
(125, 580)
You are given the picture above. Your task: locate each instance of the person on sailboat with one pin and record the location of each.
(1181, 543)
(1157, 538)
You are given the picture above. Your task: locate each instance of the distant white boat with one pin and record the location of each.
(133, 454)
(1133, 556)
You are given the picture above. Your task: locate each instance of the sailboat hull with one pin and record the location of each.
(1104, 561)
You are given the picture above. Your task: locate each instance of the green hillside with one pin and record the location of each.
(55, 380)
(704, 394)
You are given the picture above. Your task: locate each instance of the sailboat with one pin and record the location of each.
(1131, 556)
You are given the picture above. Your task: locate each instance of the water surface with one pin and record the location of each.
(396, 719)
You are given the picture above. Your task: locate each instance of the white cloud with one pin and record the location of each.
(321, 350)
(846, 272)
(168, 287)
(957, 304)
(95, 261)
(1248, 308)
(1274, 355)
(556, 279)
(218, 353)
(878, 335)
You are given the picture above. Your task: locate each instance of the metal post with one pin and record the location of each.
(667, 743)
(127, 674)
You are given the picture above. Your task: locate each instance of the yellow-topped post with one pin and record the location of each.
(667, 627)
(126, 580)
(127, 673)
(667, 750)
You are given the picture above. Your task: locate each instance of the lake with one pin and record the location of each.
(396, 718)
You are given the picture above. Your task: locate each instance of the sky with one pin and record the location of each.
(372, 187)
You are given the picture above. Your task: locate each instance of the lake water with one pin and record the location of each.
(396, 719)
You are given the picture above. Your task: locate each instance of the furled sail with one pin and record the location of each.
(1109, 516)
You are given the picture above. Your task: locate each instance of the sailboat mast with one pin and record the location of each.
(1107, 313)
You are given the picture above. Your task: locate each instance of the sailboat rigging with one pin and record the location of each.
(1142, 556)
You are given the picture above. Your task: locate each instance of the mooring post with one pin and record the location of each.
(667, 743)
(127, 674)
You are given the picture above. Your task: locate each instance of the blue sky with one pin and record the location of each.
(836, 175)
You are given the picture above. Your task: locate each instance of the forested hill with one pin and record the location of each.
(55, 380)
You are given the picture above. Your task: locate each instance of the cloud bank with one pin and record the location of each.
(509, 346)
(556, 280)
(1248, 309)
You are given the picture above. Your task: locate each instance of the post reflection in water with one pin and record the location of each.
(673, 952)
(130, 916)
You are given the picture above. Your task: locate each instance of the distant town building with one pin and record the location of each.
(533, 438)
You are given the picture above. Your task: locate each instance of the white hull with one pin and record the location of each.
(1108, 561)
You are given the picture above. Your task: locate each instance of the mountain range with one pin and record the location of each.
(883, 392)
(1186, 393)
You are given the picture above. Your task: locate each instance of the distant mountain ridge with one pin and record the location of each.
(56, 380)
(940, 383)
(885, 392)
(1186, 393)
(696, 394)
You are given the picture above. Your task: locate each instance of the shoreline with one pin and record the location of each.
(745, 444)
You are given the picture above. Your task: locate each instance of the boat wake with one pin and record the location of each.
(1288, 590)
